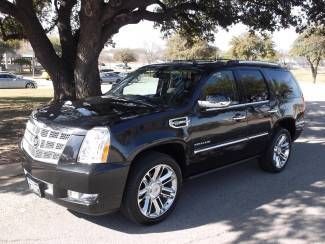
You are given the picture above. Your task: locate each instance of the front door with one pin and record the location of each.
(218, 135)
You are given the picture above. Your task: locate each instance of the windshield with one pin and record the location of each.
(168, 86)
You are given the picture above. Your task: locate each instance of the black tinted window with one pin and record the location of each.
(285, 85)
(254, 84)
(2, 76)
(220, 87)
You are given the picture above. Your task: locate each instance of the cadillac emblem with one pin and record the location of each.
(35, 141)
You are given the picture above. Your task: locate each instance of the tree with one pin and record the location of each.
(179, 47)
(311, 45)
(315, 12)
(85, 26)
(251, 46)
(151, 52)
(125, 56)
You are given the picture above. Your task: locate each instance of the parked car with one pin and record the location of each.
(131, 148)
(9, 80)
(110, 77)
(105, 70)
(123, 66)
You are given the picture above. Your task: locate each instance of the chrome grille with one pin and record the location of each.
(43, 143)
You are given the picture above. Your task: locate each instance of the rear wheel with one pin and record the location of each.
(30, 85)
(278, 153)
(153, 188)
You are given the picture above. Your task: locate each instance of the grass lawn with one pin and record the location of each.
(304, 75)
(15, 107)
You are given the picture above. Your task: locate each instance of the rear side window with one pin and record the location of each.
(221, 86)
(254, 85)
(285, 85)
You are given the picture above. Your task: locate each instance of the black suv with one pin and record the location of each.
(131, 148)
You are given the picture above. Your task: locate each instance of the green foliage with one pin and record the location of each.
(125, 56)
(311, 45)
(8, 46)
(250, 46)
(179, 48)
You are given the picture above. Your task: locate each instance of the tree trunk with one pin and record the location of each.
(63, 85)
(314, 72)
(86, 74)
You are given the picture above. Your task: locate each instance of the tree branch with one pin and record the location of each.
(8, 8)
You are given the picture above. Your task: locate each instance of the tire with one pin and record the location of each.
(278, 152)
(141, 197)
(30, 85)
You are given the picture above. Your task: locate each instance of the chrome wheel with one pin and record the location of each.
(281, 151)
(157, 191)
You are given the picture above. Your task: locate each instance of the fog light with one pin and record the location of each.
(82, 197)
(49, 188)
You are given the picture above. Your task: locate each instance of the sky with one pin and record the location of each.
(142, 34)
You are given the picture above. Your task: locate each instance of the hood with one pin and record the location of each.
(96, 111)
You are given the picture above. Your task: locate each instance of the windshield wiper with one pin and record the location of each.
(136, 100)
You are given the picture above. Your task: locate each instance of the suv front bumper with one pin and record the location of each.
(104, 182)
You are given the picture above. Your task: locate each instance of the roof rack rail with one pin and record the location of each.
(201, 60)
(258, 62)
(226, 61)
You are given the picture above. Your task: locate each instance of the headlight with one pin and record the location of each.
(95, 146)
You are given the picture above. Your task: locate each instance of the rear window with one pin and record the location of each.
(285, 84)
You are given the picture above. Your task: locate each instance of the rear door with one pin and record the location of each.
(260, 106)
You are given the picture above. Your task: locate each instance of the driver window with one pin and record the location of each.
(221, 87)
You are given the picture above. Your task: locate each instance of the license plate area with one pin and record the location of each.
(35, 186)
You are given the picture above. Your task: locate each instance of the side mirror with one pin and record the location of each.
(215, 102)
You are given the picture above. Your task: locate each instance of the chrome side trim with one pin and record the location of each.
(239, 105)
(258, 135)
(230, 143)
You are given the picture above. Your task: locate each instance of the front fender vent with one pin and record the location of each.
(179, 122)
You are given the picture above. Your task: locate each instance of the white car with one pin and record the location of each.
(8, 80)
(110, 77)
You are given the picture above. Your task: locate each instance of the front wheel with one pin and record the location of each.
(153, 188)
(30, 85)
(277, 155)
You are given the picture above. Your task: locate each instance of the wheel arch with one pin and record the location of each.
(175, 149)
(287, 123)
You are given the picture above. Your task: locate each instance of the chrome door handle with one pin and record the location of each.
(238, 118)
(273, 111)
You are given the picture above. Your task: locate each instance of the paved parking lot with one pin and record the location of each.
(241, 203)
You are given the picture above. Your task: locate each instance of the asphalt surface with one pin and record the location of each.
(237, 204)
